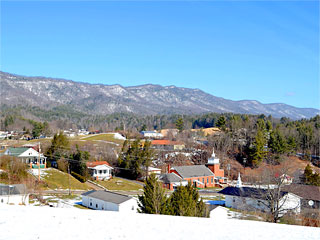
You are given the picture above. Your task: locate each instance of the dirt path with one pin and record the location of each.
(93, 186)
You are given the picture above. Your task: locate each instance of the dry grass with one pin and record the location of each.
(120, 184)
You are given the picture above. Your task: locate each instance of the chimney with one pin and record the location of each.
(169, 167)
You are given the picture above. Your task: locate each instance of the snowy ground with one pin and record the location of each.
(43, 171)
(29, 222)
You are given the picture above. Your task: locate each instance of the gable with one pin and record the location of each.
(30, 152)
(102, 167)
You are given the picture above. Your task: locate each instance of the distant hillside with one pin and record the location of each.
(101, 99)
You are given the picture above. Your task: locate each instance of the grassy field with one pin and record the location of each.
(120, 184)
(56, 179)
(103, 137)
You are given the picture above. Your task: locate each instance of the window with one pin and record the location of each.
(104, 171)
(90, 202)
(96, 205)
(203, 180)
(100, 171)
(1, 200)
(212, 180)
(207, 180)
(233, 199)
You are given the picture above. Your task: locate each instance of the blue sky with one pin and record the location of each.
(262, 50)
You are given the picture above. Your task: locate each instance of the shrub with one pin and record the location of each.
(79, 177)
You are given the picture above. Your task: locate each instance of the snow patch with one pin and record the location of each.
(18, 222)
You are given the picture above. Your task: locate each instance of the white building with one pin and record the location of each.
(251, 198)
(151, 134)
(16, 194)
(100, 170)
(28, 156)
(109, 201)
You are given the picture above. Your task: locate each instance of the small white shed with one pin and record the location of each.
(109, 201)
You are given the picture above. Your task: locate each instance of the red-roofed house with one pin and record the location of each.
(100, 170)
(167, 145)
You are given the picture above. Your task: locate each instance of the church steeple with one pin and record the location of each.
(239, 182)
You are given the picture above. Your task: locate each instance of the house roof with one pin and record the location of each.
(165, 142)
(170, 178)
(12, 189)
(96, 163)
(17, 151)
(193, 171)
(249, 192)
(305, 191)
(107, 196)
(143, 132)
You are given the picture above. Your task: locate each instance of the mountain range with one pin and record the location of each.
(148, 99)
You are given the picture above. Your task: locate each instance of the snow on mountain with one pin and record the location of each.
(144, 99)
(29, 223)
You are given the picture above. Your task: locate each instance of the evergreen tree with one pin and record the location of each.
(59, 147)
(258, 151)
(154, 199)
(79, 164)
(221, 122)
(180, 124)
(291, 144)
(311, 178)
(277, 143)
(133, 157)
(185, 202)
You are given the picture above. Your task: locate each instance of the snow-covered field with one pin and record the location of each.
(29, 222)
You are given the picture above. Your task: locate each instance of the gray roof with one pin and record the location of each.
(12, 189)
(170, 178)
(107, 196)
(193, 171)
(305, 191)
(16, 151)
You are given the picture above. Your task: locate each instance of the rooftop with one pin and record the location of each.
(12, 189)
(170, 178)
(304, 191)
(97, 163)
(165, 142)
(249, 192)
(104, 195)
(193, 171)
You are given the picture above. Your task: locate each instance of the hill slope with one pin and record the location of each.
(145, 99)
(26, 222)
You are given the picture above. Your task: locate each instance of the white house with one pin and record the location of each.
(109, 201)
(250, 198)
(151, 170)
(151, 134)
(14, 194)
(100, 170)
(28, 156)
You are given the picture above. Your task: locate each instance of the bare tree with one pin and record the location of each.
(275, 201)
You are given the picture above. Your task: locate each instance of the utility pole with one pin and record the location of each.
(39, 163)
(69, 178)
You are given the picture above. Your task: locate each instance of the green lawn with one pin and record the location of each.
(120, 184)
(57, 179)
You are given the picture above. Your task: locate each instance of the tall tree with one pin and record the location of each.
(154, 199)
(221, 122)
(180, 124)
(277, 143)
(258, 151)
(185, 202)
(59, 147)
